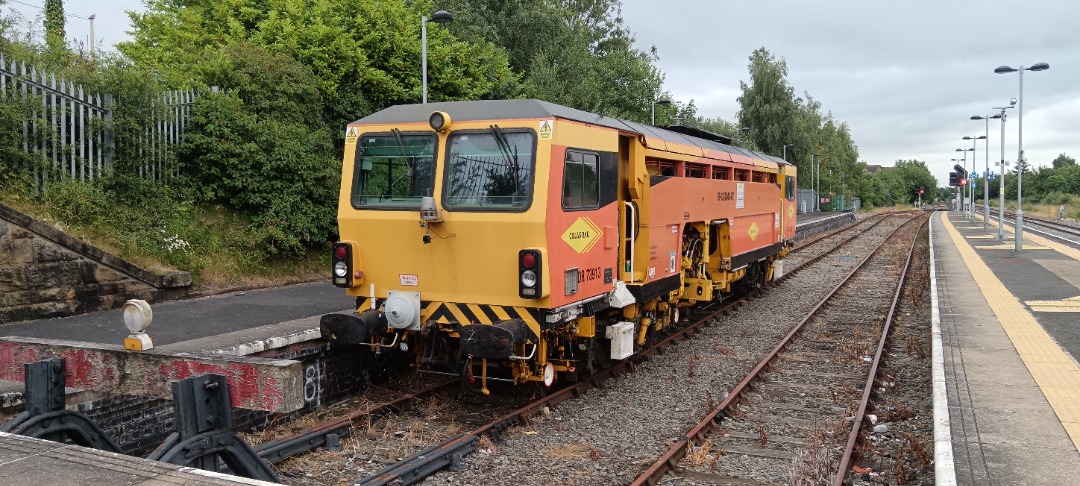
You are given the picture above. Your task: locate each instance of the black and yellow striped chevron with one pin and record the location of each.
(449, 313)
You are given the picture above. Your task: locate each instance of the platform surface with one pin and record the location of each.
(25, 461)
(1011, 335)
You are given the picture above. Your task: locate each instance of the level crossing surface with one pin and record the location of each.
(1010, 334)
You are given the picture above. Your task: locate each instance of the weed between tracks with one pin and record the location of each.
(703, 454)
(817, 463)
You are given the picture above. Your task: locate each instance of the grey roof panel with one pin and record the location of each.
(489, 109)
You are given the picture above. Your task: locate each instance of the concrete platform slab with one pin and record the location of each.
(1009, 370)
(26, 461)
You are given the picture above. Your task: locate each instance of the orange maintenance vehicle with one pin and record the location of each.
(524, 241)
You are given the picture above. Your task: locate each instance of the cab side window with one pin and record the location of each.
(581, 184)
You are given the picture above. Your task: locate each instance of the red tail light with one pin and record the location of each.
(530, 274)
(341, 264)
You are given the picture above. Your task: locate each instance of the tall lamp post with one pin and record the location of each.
(1001, 183)
(818, 184)
(1020, 164)
(661, 101)
(971, 187)
(963, 189)
(91, 19)
(813, 183)
(441, 16)
(786, 145)
(986, 172)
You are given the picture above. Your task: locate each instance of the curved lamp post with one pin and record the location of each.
(986, 171)
(1002, 164)
(441, 16)
(1020, 164)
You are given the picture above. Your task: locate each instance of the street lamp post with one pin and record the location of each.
(786, 145)
(442, 16)
(813, 185)
(843, 192)
(91, 19)
(971, 187)
(818, 202)
(1001, 183)
(661, 101)
(1020, 165)
(986, 172)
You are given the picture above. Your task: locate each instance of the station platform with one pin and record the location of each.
(25, 461)
(1007, 384)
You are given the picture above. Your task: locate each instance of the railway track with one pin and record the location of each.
(1067, 232)
(451, 450)
(808, 396)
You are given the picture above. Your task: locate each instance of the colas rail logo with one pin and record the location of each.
(582, 235)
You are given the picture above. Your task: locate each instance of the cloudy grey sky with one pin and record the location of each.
(905, 76)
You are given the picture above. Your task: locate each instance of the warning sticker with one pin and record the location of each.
(350, 135)
(546, 129)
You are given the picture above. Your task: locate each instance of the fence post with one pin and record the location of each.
(110, 143)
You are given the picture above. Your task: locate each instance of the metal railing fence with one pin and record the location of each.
(73, 134)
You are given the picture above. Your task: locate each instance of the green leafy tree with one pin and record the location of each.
(767, 104)
(576, 53)
(257, 148)
(365, 55)
(54, 23)
(1063, 160)
(901, 183)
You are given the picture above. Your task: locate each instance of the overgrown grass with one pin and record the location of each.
(158, 227)
(1045, 207)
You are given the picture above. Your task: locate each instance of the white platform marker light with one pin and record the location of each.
(137, 318)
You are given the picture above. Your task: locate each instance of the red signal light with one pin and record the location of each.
(963, 182)
(528, 260)
(340, 252)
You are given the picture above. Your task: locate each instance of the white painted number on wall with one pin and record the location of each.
(311, 384)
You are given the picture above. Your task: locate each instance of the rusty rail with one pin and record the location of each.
(710, 423)
(450, 452)
(856, 425)
(330, 432)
